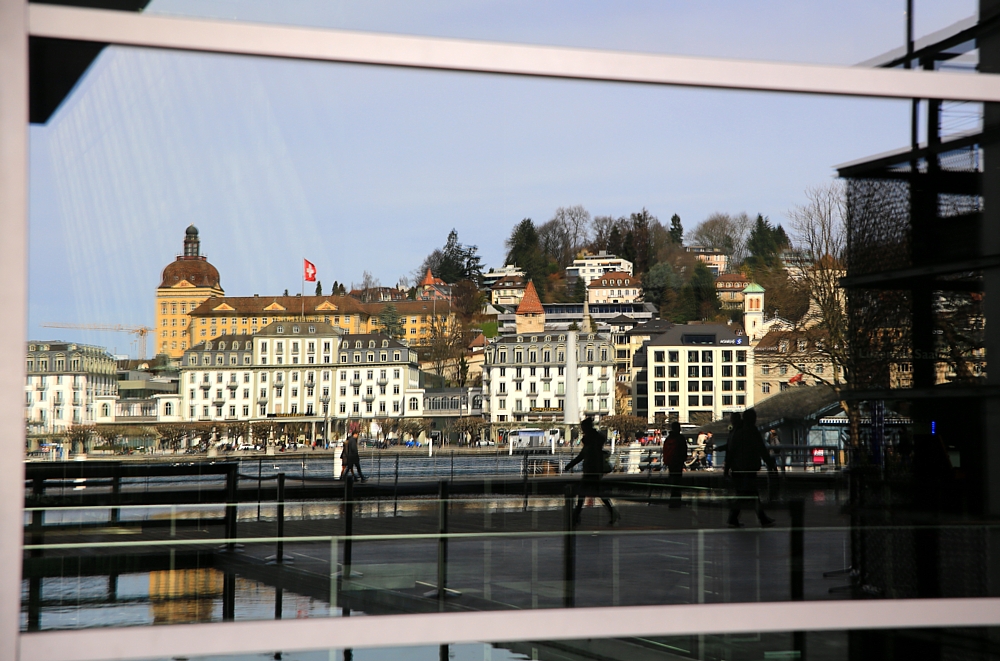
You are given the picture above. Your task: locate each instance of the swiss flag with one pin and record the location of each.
(309, 271)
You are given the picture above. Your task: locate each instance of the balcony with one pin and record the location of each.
(310, 384)
(232, 385)
(369, 398)
(355, 382)
(383, 382)
(261, 401)
(218, 402)
(205, 385)
(41, 386)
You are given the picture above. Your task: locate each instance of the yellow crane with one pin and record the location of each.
(139, 331)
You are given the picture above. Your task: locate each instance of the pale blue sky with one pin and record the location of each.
(360, 167)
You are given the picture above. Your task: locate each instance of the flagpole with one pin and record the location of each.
(302, 296)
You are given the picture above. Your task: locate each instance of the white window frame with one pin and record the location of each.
(18, 20)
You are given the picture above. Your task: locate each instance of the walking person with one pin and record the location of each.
(351, 458)
(744, 454)
(592, 456)
(775, 443)
(674, 454)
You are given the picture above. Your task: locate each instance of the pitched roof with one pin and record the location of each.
(262, 305)
(732, 277)
(627, 280)
(652, 328)
(753, 288)
(530, 304)
(509, 282)
(430, 281)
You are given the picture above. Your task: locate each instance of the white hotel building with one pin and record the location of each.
(695, 373)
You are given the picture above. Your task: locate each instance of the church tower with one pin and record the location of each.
(186, 283)
(530, 317)
(753, 312)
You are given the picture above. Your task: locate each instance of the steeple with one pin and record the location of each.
(192, 244)
(530, 317)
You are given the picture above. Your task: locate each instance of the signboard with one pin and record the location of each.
(542, 409)
(819, 456)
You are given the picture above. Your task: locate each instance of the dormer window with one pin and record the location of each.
(208, 345)
(357, 344)
(371, 344)
(222, 346)
(295, 329)
(312, 329)
(280, 329)
(385, 343)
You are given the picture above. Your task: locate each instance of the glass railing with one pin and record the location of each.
(133, 565)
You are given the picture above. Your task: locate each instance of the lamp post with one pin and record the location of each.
(325, 401)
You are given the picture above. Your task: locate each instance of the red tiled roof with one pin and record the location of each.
(530, 304)
(429, 280)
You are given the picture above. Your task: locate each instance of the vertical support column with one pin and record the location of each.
(395, 488)
(13, 270)
(229, 597)
(442, 555)
(989, 62)
(116, 491)
(797, 566)
(569, 551)
(348, 524)
(232, 475)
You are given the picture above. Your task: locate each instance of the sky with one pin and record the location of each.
(368, 168)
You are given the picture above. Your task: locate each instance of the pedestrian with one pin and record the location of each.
(595, 464)
(775, 443)
(674, 454)
(745, 451)
(351, 458)
(709, 452)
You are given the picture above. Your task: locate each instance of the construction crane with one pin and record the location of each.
(139, 331)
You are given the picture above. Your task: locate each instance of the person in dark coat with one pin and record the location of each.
(674, 454)
(351, 458)
(746, 450)
(592, 456)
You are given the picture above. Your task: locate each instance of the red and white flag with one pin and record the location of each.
(309, 271)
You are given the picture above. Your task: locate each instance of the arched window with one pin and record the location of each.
(414, 404)
(168, 408)
(106, 410)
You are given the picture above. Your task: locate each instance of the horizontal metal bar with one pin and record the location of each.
(236, 37)
(233, 638)
(916, 276)
(937, 392)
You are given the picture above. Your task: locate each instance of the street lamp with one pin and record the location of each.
(325, 401)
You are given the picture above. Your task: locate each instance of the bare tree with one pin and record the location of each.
(726, 233)
(369, 283)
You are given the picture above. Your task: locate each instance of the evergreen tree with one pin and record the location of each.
(286, 292)
(523, 249)
(765, 244)
(676, 230)
(391, 322)
(319, 287)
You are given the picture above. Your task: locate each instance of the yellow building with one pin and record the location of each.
(186, 283)
(242, 315)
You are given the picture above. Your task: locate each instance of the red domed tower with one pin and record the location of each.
(186, 282)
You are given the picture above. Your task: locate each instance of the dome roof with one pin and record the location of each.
(196, 271)
(191, 231)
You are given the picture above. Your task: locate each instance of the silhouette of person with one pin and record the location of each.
(351, 458)
(592, 456)
(745, 451)
(674, 454)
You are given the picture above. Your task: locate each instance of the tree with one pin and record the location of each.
(319, 287)
(676, 230)
(702, 286)
(562, 237)
(286, 292)
(369, 284)
(79, 438)
(391, 322)
(579, 291)
(765, 244)
(624, 425)
(467, 302)
(658, 281)
(468, 428)
(523, 249)
(453, 262)
(725, 233)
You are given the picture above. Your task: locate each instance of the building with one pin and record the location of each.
(729, 288)
(753, 311)
(491, 277)
(218, 380)
(184, 285)
(524, 378)
(378, 294)
(614, 287)
(716, 261)
(530, 315)
(563, 316)
(230, 315)
(589, 267)
(63, 382)
(508, 290)
(696, 373)
(787, 358)
(376, 377)
(432, 288)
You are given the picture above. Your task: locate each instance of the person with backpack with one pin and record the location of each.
(744, 454)
(595, 465)
(674, 454)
